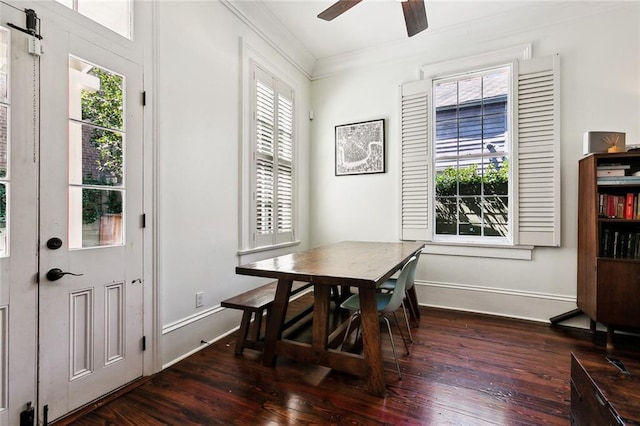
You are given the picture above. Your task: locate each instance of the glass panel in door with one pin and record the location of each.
(96, 147)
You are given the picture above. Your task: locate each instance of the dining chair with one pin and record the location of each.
(390, 285)
(385, 303)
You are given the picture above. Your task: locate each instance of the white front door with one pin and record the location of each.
(18, 218)
(91, 223)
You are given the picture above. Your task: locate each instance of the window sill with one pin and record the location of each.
(258, 253)
(478, 250)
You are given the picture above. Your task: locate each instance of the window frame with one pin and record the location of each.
(537, 211)
(77, 5)
(509, 142)
(251, 242)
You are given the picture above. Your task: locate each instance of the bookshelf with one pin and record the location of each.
(609, 241)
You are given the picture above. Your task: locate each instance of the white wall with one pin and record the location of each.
(199, 126)
(600, 90)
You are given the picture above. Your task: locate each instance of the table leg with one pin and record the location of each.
(371, 341)
(321, 307)
(275, 322)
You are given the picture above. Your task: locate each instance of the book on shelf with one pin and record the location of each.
(610, 172)
(618, 180)
(614, 166)
(620, 244)
(614, 206)
(628, 206)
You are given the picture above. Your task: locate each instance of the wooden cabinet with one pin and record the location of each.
(609, 240)
(601, 394)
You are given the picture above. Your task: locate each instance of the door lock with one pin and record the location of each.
(56, 273)
(54, 243)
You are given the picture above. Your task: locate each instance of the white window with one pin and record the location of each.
(471, 155)
(272, 171)
(481, 155)
(112, 14)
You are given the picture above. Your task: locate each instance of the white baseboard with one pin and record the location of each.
(525, 305)
(183, 338)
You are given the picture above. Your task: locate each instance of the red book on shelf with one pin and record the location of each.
(611, 205)
(628, 206)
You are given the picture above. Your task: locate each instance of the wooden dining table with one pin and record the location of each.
(364, 265)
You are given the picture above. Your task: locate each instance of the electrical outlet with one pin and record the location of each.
(199, 298)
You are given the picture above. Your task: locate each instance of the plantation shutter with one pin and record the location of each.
(284, 178)
(537, 199)
(273, 161)
(264, 163)
(415, 191)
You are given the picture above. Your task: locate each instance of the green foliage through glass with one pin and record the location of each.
(104, 108)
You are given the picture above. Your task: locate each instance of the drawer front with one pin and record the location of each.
(588, 406)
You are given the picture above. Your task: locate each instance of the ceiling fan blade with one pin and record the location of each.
(337, 9)
(415, 16)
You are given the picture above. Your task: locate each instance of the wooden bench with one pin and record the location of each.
(253, 304)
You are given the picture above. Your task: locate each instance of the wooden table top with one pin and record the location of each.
(354, 263)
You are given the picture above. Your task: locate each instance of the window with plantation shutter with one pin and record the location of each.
(538, 141)
(273, 136)
(464, 139)
(415, 160)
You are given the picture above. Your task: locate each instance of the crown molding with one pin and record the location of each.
(261, 21)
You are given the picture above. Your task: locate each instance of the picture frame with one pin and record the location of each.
(360, 148)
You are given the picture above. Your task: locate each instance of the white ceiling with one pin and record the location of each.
(371, 23)
(374, 30)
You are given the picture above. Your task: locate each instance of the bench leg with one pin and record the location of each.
(257, 324)
(243, 332)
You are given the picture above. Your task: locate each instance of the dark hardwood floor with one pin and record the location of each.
(464, 369)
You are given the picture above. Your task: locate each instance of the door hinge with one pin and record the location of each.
(144, 343)
(144, 220)
(27, 416)
(144, 98)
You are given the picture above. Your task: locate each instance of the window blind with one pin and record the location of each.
(273, 191)
(538, 157)
(415, 160)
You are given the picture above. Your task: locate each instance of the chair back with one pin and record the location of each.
(412, 274)
(398, 292)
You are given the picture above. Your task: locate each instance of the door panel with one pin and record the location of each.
(91, 323)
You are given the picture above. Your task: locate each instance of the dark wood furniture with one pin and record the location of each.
(364, 265)
(601, 394)
(253, 304)
(608, 275)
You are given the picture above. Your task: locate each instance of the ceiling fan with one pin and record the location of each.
(415, 14)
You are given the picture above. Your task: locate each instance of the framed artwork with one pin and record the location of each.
(360, 148)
